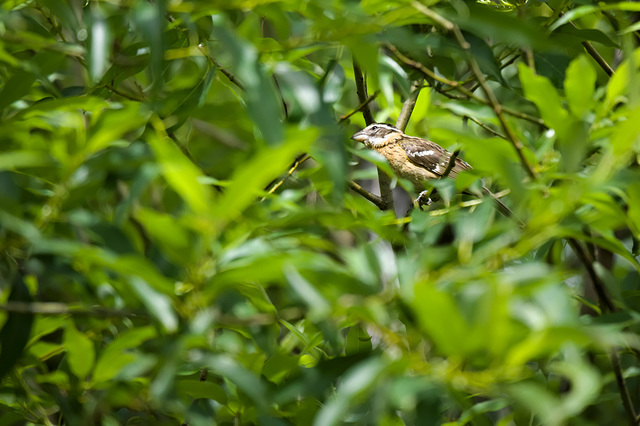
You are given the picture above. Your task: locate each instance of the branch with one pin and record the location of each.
(458, 86)
(598, 58)
(384, 181)
(408, 106)
(481, 124)
(452, 162)
(232, 78)
(503, 65)
(296, 163)
(368, 195)
(361, 89)
(360, 107)
(484, 126)
(119, 92)
(497, 108)
(52, 308)
(624, 389)
(595, 55)
(475, 68)
(606, 305)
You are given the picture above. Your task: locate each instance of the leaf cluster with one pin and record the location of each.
(188, 235)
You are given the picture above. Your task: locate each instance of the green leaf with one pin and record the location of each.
(633, 192)
(158, 304)
(114, 124)
(581, 11)
(179, 172)
(201, 390)
(358, 381)
(319, 308)
(19, 85)
(262, 103)
(23, 159)
(365, 53)
(546, 342)
(500, 26)
(168, 233)
(358, 341)
(620, 82)
(246, 380)
(579, 86)
(80, 351)
(15, 88)
(433, 308)
(483, 54)
(541, 92)
(118, 353)
(46, 325)
(581, 35)
(250, 178)
(16, 330)
(150, 19)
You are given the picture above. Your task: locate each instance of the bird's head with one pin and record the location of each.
(375, 135)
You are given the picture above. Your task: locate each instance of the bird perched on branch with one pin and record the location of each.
(416, 159)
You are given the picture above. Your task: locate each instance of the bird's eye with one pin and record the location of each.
(374, 128)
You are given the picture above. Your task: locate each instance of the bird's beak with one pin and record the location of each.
(360, 136)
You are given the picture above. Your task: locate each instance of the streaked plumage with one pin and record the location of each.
(411, 158)
(415, 159)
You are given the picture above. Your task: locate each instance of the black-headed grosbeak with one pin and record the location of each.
(415, 159)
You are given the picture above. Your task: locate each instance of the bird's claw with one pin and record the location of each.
(422, 200)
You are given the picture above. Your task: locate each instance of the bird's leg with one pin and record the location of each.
(423, 199)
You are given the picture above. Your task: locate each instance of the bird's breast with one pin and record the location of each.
(403, 167)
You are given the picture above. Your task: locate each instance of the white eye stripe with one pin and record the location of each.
(383, 126)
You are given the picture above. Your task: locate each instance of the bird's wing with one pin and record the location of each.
(431, 156)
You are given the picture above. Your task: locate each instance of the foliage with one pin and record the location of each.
(180, 243)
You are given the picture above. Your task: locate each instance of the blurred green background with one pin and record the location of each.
(180, 243)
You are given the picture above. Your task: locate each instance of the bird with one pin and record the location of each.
(415, 159)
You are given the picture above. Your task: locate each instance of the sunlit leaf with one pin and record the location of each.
(579, 86)
(80, 351)
(180, 173)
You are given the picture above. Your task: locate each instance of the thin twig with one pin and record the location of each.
(497, 107)
(472, 78)
(587, 261)
(427, 196)
(627, 403)
(232, 78)
(598, 58)
(360, 107)
(52, 308)
(595, 54)
(475, 68)
(408, 106)
(119, 92)
(481, 124)
(458, 86)
(606, 305)
(452, 162)
(296, 163)
(484, 126)
(361, 89)
(366, 194)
